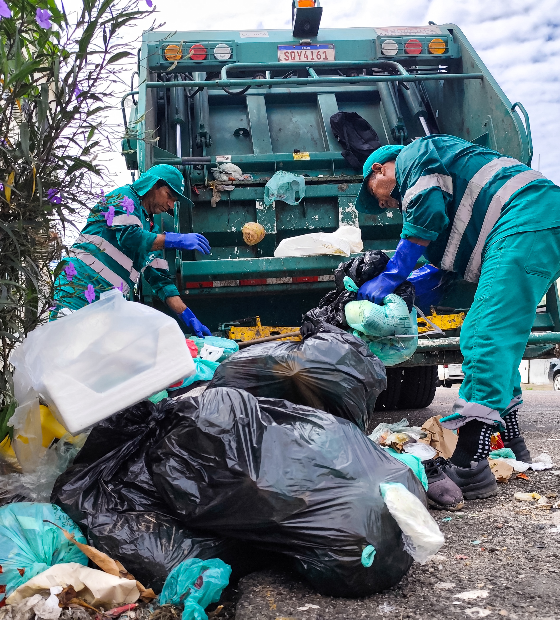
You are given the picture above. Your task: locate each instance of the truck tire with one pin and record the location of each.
(418, 387)
(390, 397)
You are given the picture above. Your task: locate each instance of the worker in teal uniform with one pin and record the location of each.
(494, 221)
(121, 241)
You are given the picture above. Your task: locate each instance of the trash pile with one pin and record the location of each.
(266, 463)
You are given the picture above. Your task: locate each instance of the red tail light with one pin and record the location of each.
(198, 52)
(413, 47)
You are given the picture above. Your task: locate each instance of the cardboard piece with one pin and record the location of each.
(91, 585)
(441, 439)
(502, 471)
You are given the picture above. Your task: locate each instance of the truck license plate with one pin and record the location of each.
(306, 53)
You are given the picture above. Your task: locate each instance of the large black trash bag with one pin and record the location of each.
(360, 269)
(289, 479)
(151, 545)
(356, 135)
(335, 372)
(109, 492)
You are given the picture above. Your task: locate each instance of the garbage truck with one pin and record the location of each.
(262, 100)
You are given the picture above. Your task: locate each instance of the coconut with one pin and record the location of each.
(253, 233)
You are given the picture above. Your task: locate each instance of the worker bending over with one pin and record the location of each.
(120, 241)
(494, 221)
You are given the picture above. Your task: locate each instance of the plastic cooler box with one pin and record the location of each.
(101, 359)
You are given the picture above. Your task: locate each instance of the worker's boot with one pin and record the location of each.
(476, 481)
(519, 448)
(468, 467)
(443, 493)
(512, 437)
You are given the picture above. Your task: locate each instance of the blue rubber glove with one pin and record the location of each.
(398, 269)
(427, 285)
(189, 241)
(194, 324)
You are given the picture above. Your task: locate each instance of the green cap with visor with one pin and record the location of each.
(366, 202)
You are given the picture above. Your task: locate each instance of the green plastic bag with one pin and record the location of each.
(229, 346)
(28, 545)
(197, 584)
(413, 462)
(389, 330)
(205, 370)
(284, 186)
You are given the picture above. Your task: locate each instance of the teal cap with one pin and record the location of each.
(162, 172)
(366, 203)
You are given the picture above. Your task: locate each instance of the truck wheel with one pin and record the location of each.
(418, 387)
(389, 398)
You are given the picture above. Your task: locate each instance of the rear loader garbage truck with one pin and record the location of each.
(262, 100)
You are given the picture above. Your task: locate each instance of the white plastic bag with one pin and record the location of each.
(100, 359)
(342, 242)
(421, 534)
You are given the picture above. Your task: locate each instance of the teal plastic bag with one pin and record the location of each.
(284, 186)
(411, 461)
(229, 346)
(28, 545)
(390, 331)
(205, 370)
(197, 584)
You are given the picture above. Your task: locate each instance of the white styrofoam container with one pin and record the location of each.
(100, 359)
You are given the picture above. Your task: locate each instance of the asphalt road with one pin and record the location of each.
(505, 552)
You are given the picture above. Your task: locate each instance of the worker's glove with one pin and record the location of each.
(428, 286)
(398, 268)
(189, 241)
(194, 324)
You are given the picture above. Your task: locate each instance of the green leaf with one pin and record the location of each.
(118, 56)
(24, 140)
(91, 133)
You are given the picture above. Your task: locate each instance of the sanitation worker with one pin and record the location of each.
(495, 222)
(120, 241)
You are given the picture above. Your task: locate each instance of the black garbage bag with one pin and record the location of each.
(109, 492)
(360, 269)
(335, 372)
(150, 545)
(356, 135)
(289, 479)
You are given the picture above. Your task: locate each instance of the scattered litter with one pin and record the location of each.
(385, 608)
(502, 453)
(421, 450)
(445, 519)
(544, 504)
(308, 606)
(476, 542)
(526, 497)
(444, 585)
(229, 172)
(441, 439)
(197, 584)
(421, 534)
(477, 612)
(522, 476)
(344, 241)
(471, 595)
(383, 431)
(461, 557)
(501, 469)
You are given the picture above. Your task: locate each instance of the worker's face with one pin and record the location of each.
(158, 200)
(381, 182)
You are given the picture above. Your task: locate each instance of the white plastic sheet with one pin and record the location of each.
(98, 360)
(342, 242)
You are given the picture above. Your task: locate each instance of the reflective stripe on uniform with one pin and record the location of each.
(443, 181)
(472, 273)
(158, 263)
(104, 271)
(464, 212)
(126, 220)
(109, 249)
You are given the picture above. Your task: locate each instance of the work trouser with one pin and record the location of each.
(517, 270)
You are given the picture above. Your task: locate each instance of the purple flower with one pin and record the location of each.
(128, 205)
(77, 92)
(102, 199)
(43, 18)
(109, 216)
(89, 293)
(4, 10)
(52, 196)
(149, 3)
(70, 271)
(1, 187)
(119, 288)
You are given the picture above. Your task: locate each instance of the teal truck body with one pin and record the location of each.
(262, 100)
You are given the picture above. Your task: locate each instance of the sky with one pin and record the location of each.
(518, 40)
